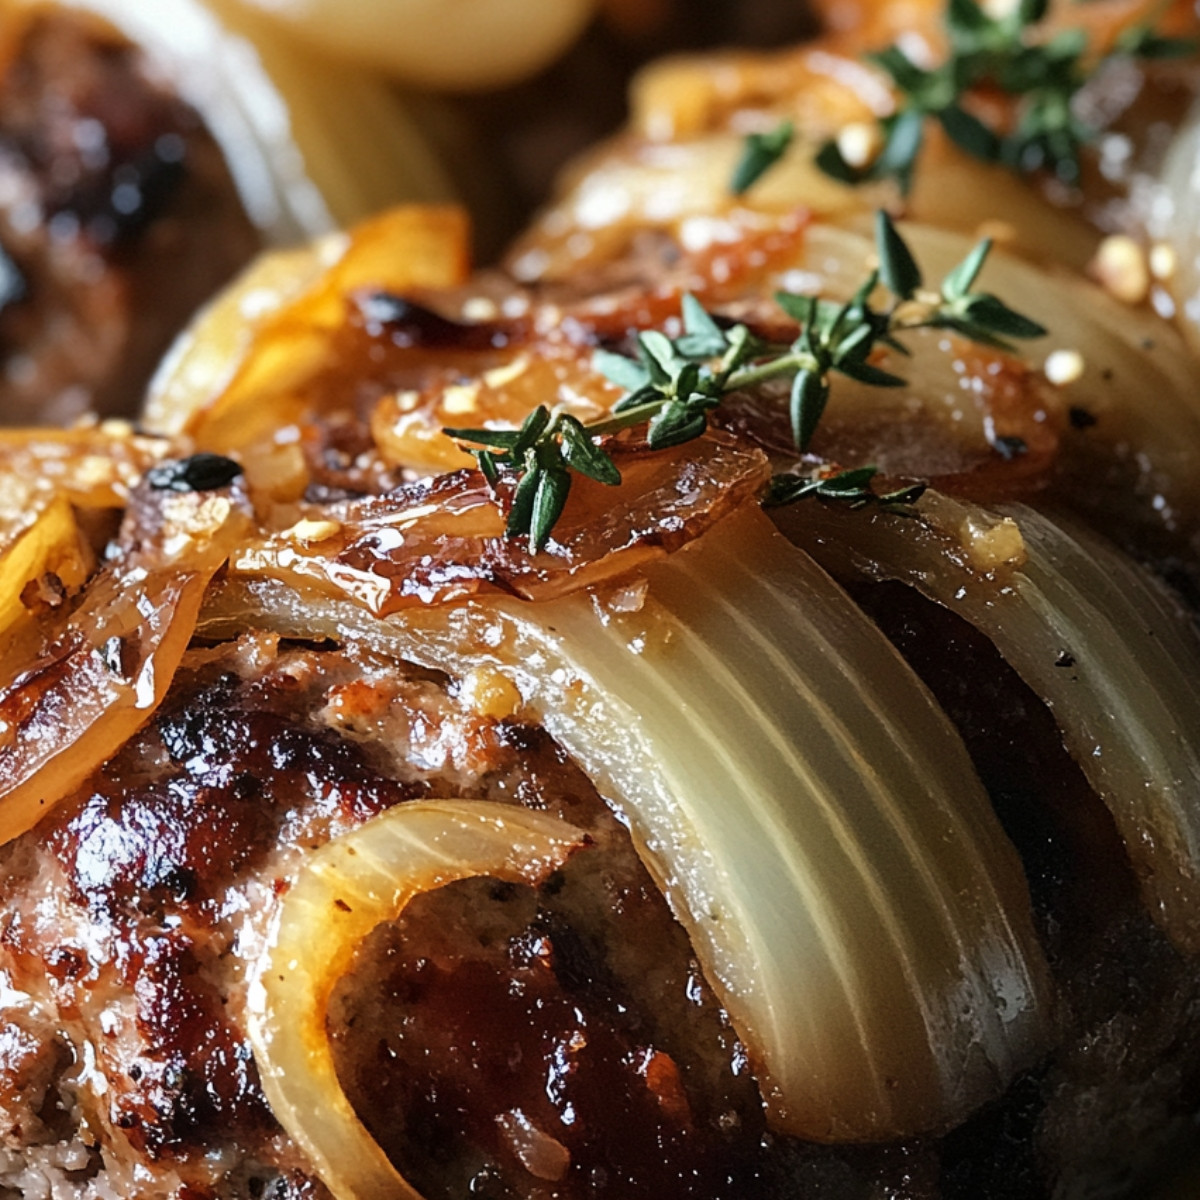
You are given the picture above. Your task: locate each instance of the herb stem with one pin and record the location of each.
(775, 368)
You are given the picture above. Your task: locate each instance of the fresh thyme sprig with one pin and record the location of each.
(673, 384)
(1004, 53)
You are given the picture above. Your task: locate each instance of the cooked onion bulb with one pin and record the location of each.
(461, 44)
(808, 811)
(341, 892)
(1090, 632)
(312, 144)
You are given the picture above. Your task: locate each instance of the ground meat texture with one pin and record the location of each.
(118, 217)
(502, 1041)
(559, 1043)
(131, 916)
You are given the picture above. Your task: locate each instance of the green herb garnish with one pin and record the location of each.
(760, 152)
(673, 384)
(852, 487)
(1000, 53)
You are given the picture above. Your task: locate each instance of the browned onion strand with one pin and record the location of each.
(72, 695)
(444, 540)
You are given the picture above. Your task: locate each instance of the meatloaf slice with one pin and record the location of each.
(492, 1019)
(118, 216)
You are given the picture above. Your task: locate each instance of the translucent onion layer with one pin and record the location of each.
(341, 892)
(806, 808)
(312, 144)
(74, 691)
(1093, 634)
(468, 44)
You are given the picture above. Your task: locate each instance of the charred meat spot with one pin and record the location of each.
(1080, 417)
(518, 1026)
(197, 1077)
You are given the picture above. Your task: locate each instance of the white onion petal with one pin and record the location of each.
(806, 808)
(462, 44)
(342, 891)
(1092, 633)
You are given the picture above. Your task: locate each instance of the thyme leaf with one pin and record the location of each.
(1006, 52)
(760, 152)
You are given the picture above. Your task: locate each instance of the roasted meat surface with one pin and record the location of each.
(129, 924)
(118, 217)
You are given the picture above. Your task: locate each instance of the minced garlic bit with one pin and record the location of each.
(490, 694)
(859, 144)
(480, 308)
(94, 470)
(460, 398)
(309, 530)
(992, 543)
(1063, 367)
(498, 377)
(1122, 269)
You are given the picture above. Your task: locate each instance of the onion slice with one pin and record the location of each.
(434, 542)
(235, 378)
(807, 809)
(1091, 632)
(73, 695)
(1133, 470)
(479, 44)
(342, 891)
(40, 540)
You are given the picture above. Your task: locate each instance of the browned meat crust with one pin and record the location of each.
(117, 218)
(129, 923)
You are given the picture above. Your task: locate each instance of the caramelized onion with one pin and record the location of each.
(341, 892)
(235, 380)
(41, 547)
(91, 466)
(848, 891)
(76, 691)
(1093, 634)
(433, 542)
(1124, 436)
